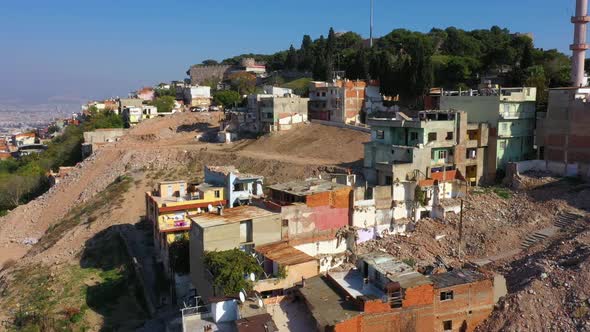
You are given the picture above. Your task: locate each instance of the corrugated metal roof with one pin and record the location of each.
(284, 254)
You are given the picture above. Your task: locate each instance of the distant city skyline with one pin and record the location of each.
(68, 51)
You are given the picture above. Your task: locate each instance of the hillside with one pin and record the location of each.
(61, 232)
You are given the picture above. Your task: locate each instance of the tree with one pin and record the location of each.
(165, 92)
(292, 60)
(165, 104)
(243, 82)
(209, 62)
(229, 269)
(53, 129)
(359, 68)
(227, 98)
(306, 59)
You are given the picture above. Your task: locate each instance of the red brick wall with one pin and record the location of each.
(471, 304)
(421, 295)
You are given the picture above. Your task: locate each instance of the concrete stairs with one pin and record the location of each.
(538, 236)
(565, 219)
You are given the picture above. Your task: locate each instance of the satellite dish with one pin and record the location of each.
(260, 303)
(252, 276)
(242, 297)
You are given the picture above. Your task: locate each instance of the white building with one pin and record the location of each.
(197, 96)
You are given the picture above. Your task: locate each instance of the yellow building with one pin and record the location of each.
(169, 206)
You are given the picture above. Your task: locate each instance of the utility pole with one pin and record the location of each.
(371, 31)
(460, 229)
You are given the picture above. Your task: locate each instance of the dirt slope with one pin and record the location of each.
(166, 148)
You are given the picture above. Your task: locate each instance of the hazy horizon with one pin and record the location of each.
(65, 52)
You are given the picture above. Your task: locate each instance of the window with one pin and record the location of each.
(449, 135)
(217, 194)
(285, 222)
(413, 136)
(441, 154)
(317, 94)
(388, 180)
(239, 187)
(431, 137)
(380, 134)
(323, 94)
(268, 115)
(445, 296)
(447, 325)
(504, 127)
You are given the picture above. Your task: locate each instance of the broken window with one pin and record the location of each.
(449, 136)
(447, 325)
(445, 296)
(239, 187)
(431, 137)
(380, 134)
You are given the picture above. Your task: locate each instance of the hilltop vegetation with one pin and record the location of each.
(408, 63)
(24, 179)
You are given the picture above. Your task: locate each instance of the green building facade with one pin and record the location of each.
(511, 116)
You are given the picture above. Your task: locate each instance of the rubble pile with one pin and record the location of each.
(549, 290)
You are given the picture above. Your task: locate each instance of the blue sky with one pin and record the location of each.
(55, 50)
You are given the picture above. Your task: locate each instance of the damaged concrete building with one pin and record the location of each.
(340, 101)
(312, 212)
(276, 109)
(417, 166)
(510, 114)
(404, 148)
(383, 294)
(562, 133)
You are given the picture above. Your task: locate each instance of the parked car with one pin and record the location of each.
(198, 109)
(214, 108)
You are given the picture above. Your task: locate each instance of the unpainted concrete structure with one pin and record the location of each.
(562, 133)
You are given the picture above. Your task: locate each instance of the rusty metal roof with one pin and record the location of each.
(284, 254)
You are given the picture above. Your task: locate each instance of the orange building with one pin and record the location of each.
(340, 101)
(383, 294)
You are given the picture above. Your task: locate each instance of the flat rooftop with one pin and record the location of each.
(456, 277)
(352, 282)
(326, 304)
(395, 270)
(307, 187)
(284, 254)
(226, 170)
(232, 215)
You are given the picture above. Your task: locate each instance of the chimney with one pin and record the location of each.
(579, 46)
